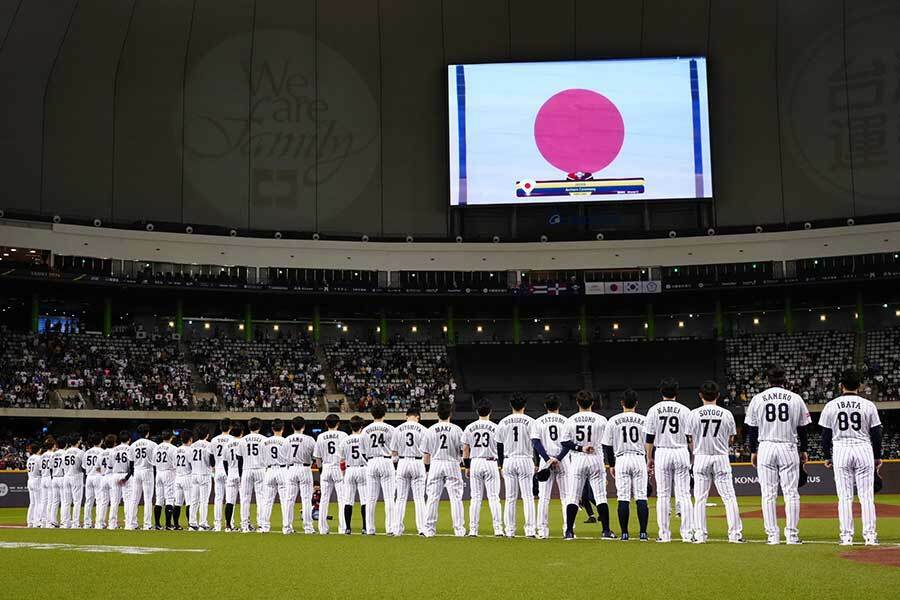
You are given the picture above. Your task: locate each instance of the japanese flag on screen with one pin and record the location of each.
(613, 287)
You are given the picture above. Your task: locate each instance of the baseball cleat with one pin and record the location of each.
(624, 537)
(845, 542)
(590, 520)
(608, 535)
(872, 542)
(773, 541)
(794, 542)
(737, 540)
(569, 535)
(662, 541)
(644, 537)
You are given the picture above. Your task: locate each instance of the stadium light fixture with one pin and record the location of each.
(240, 326)
(444, 328)
(378, 329)
(823, 318)
(547, 327)
(345, 329)
(897, 313)
(275, 326)
(206, 326)
(884, 305)
(646, 325)
(309, 328)
(479, 329)
(615, 326)
(756, 320)
(171, 324)
(414, 329)
(681, 324)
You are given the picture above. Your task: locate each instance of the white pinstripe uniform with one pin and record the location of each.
(585, 428)
(299, 479)
(233, 476)
(850, 419)
(380, 474)
(220, 445)
(119, 487)
(183, 477)
(142, 483)
(56, 486)
(252, 474)
(201, 483)
(276, 451)
(103, 483)
(551, 430)
(73, 488)
(331, 479)
(484, 475)
(777, 413)
(667, 421)
(352, 453)
(443, 443)
(514, 432)
(410, 474)
(624, 433)
(164, 460)
(90, 462)
(46, 484)
(712, 427)
(33, 466)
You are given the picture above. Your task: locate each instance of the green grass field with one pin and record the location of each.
(234, 565)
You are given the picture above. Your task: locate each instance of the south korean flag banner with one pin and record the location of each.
(633, 287)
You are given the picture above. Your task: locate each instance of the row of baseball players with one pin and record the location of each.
(394, 462)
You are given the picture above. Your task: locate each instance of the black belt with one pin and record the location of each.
(412, 457)
(485, 458)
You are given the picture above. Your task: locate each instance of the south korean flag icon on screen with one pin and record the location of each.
(526, 186)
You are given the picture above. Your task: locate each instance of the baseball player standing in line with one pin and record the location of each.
(441, 453)
(232, 474)
(120, 484)
(515, 456)
(275, 482)
(91, 465)
(73, 485)
(252, 462)
(582, 435)
(380, 473)
(143, 481)
(220, 445)
(331, 477)
(406, 453)
(46, 483)
(776, 422)
(624, 452)
(109, 442)
(665, 428)
(182, 478)
(164, 458)
(480, 458)
(546, 437)
(712, 430)
(299, 477)
(33, 466)
(851, 442)
(352, 454)
(202, 461)
(57, 474)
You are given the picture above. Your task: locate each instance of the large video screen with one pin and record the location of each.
(579, 131)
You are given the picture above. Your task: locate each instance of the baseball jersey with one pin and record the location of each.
(711, 427)
(514, 432)
(352, 450)
(200, 453)
(46, 464)
(91, 460)
(300, 449)
(121, 455)
(72, 460)
(232, 451)
(850, 418)
(276, 450)
(624, 432)
(407, 439)
(443, 441)
(668, 421)
(378, 439)
(550, 429)
(56, 463)
(220, 445)
(252, 450)
(777, 413)
(142, 450)
(481, 438)
(164, 457)
(585, 429)
(327, 447)
(183, 460)
(106, 461)
(33, 465)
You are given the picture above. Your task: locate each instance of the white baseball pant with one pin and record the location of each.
(331, 480)
(380, 476)
(779, 463)
(561, 477)
(855, 464)
(165, 488)
(34, 502)
(251, 483)
(673, 466)
(518, 473)
(220, 482)
(102, 499)
(91, 493)
(56, 491)
(299, 479)
(354, 485)
(119, 493)
(709, 469)
(46, 493)
(410, 477)
(73, 494)
(631, 477)
(183, 491)
(484, 478)
(444, 474)
(142, 487)
(200, 499)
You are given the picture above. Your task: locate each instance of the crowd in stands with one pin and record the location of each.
(268, 375)
(12, 452)
(813, 360)
(26, 374)
(397, 374)
(882, 363)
